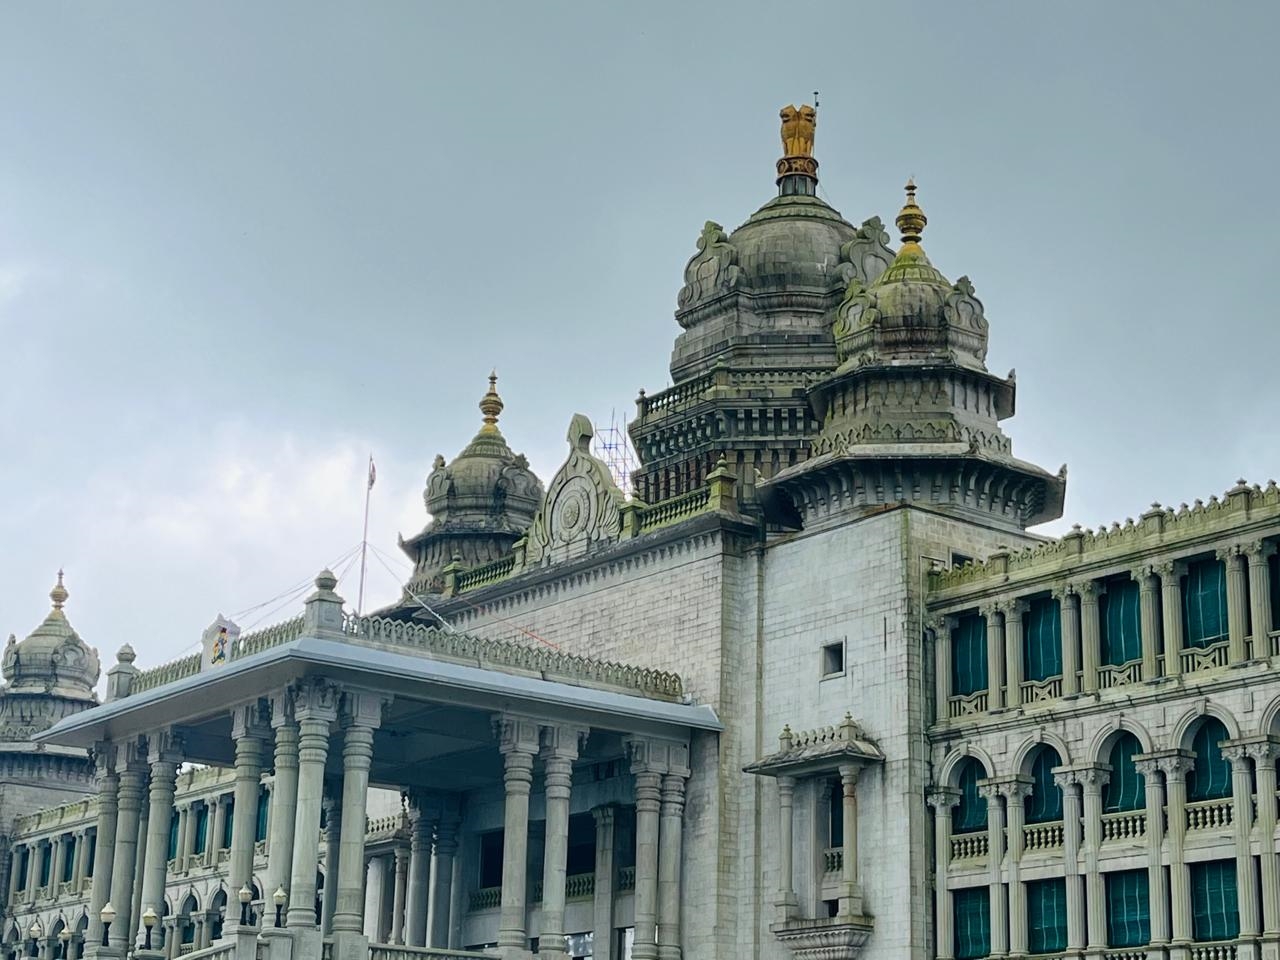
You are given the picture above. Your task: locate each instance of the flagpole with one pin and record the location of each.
(364, 537)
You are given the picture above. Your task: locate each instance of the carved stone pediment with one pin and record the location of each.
(582, 506)
(855, 316)
(711, 271)
(867, 255)
(963, 313)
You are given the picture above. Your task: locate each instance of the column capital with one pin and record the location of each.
(1262, 749)
(1237, 753)
(1142, 573)
(1088, 590)
(315, 699)
(943, 798)
(1061, 591)
(1013, 788)
(517, 734)
(652, 755)
(131, 757)
(1174, 764)
(991, 608)
(104, 758)
(604, 814)
(1226, 553)
(1170, 570)
(1259, 551)
(282, 710)
(249, 722)
(1016, 607)
(164, 746)
(563, 741)
(363, 708)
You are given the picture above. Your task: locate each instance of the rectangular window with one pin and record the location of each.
(69, 858)
(174, 823)
(24, 867)
(202, 827)
(969, 655)
(491, 859)
(1204, 603)
(228, 824)
(972, 911)
(581, 857)
(1047, 915)
(1121, 623)
(833, 659)
(1042, 640)
(46, 864)
(1128, 909)
(1273, 566)
(835, 812)
(264, 809)
(91, 853)
(1215, 914)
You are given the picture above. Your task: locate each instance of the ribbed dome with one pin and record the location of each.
(53, 659)
(792, 241)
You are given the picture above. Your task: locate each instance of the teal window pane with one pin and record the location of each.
(1210, 775)
(969, 655)
(1047, 916)
(264, 805)
(1120, 620)
(92, 853)
(1126, 789)
(970, 813)
(1045, 802)
(1204, 603)
(835, 812)
(24, 866)
(46, 864)
(1128, 909)
(202, 829)
(1273, 566)
(1042, 640)
(972, 912)
(173, 835)
(1215, 914)
(69, 859)
(228, 825)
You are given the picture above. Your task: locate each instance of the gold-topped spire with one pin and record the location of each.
(59, 593)
(911, 219)
(491, 405)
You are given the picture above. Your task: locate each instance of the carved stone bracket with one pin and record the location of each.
(711, 271)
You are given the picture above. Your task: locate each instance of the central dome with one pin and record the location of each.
(792, 241)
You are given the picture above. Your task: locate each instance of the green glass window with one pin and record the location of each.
(264, 807)
(1120, 620)
(971, 812)
(46, 864)
(91, 854)
(1214, 911)
(1047, 915)
(24, 866)
(1125, 790)
(1128, 909)
(228, 824)
(1273, 566)
(1042, 640)
(969, 655)
(1210, 775)
(1045, 803)
(173, 835)
(1204, 603)
(835, 812)
(972, 909)
(202, 828)
(69, 858)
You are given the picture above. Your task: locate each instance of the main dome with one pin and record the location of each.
(52, 659)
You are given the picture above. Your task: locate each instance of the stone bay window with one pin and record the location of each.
(819, 901)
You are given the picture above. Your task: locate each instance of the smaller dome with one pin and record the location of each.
(53, 659)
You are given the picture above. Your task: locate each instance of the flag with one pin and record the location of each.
(373, 473)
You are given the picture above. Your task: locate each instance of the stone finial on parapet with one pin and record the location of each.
(120, 677)
(323, 611)
(724, 488)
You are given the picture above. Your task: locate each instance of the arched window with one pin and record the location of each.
(1125, 789)
(1045, 802)
(971, 812)
(1042, 640)
(1210, 776)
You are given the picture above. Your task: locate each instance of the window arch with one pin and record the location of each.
(1210, 776)
(1125, 789)
(971, 812)
(1045, 802)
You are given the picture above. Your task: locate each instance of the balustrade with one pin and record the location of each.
(626, 879)
(385, 951)
(1042, 836)
(486, 898)
(1213, 951)
(1122, 675)
(967, 706)
(1129, 825)
(832, 860)
(1197, 659)
(1038, 691)
(968, 846)
(1125, 954)
(1209, 814)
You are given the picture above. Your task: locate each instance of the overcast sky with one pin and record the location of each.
(243, 245)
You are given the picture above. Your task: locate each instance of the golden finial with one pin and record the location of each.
(491, 405)
(798, 126)
(911, 218)
(59, 593)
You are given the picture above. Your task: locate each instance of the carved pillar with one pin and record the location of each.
(1150, 618)
(1013, 627)
(648, 764)
(442, 891)
(398, 897)
(1015, 792)
(216, 829)
(851, 900)
(362, 715)
(1090, 635)
(164, 757)
(993, 614)
(315, 705)
(518, 742)
(1175, 767)
(1092, 779)
(1242, 823)
(1150, 770)
(942, 799)
(995, 859)
(1071, 816)
(422, 817)
(105, 841)
(1170, 572)
(332, 807)
(942, 628)
(284, 795)
(1260, 600)
(670, 845)
(1069, 614)
(1263, 752)
(559, 752)
(1237, 608)
(131, 766)
(602, 927)
(787, 903)
(248, 730)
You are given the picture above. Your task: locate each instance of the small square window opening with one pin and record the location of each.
(833, 659)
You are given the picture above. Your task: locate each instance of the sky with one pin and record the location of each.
(245, 245)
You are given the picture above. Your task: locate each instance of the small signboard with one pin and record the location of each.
(219, 639)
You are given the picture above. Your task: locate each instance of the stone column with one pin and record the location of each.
(1260, 599)
(139, 861)
(442, 892)
(332, 806)
(1150, 620)
(993, 614)
(284, 796)
(1015, 791)
(1175, 767)
(1170, 573)
(165, 755)
(1237, 608)
(518, 742)
(1071, 816)
(851, 896)
(1150, 770)
(670, 846)
(942, 665)
(559, 752)
(1013, 652)
(1092, 779)
(363, 715)
(216, 830)
(131, 766)
(787, 904)
(422, 823)
(1242, 823)
(82, 854)
(1090, 635)
(374, 881)
(105, 842)
(398, 898)
(648, 764)
(186, 836)
(1069, 615)
(602, 927)
(248, 730)
(942, 799)
(315, 705)
(995, 860)
(1263, 752)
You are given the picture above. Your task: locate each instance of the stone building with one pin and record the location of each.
(812, 689)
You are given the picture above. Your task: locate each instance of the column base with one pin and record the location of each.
(279, 943)
(1247, 950)
(350, 945)
(97, 950)
(1180, 950)
(1270, 949)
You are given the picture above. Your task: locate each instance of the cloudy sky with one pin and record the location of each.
(243, 245)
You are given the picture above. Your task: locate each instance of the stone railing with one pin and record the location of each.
(486, 898)
(166, 673)
(273, 636)
(1209, 814)
(386, 951)
(968, 846)
(832, 860)
(969, 706)
(222, 950)
(76, 812)
(1225, 950)
(673, 398)
(379, 828)
(1038, 691)
(1042, 836)
(1125, 953)
(580, 886)
(1196, 659)
(484, 575)
(1125, 826)
(1122, 675)
(468, 649)
(675, 509)
(626, 878)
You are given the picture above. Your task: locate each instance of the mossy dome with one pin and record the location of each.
(52, 659)
(792, 241)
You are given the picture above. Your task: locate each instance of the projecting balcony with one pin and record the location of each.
(968, 846)
(1209, 815)
(1128, 826)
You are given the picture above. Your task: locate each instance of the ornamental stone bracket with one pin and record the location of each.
(710, 272)
(828, 938)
